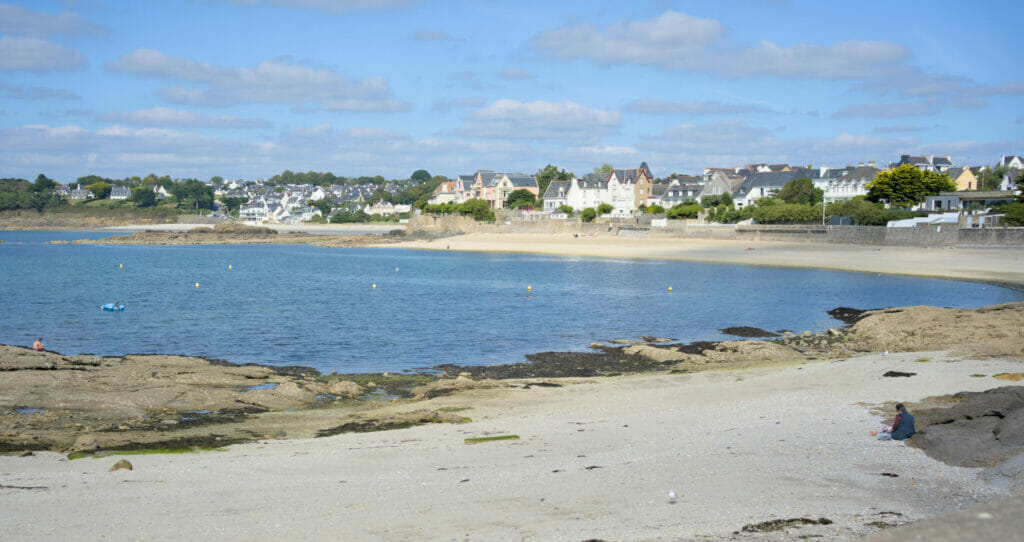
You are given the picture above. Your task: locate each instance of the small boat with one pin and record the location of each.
(113, 307)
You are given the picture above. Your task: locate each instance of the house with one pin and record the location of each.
(555, 195)
(963, 178)
(765, 185)
(927, 162)
(81, 193)
(721, 183)
(444, 193)
(254, 213)
(630, 188)
(383, 208)
(852, 182)
(1011, 181)
(970, 200)
(674, 192)
(494, 188)
(1012, 162)
(120, 192)
(590, 191)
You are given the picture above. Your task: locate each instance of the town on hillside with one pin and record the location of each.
(910, 191)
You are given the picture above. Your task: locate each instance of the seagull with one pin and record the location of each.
(671, 496)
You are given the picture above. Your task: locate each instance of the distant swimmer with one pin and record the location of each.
(38, 345)
(117, 305)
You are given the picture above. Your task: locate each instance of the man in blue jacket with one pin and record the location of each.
(902, 427)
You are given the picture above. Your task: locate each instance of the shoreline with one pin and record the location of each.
(993, 265)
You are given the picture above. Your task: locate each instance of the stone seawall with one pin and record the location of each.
(945, 235)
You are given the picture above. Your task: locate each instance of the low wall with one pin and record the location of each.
(945, 235)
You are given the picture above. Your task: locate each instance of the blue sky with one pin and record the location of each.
(249, 88)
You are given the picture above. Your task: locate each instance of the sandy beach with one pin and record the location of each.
(1000, 264)
(593, 458)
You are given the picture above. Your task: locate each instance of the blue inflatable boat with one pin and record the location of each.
(111, 307)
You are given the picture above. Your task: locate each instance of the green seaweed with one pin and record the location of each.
(477, 440)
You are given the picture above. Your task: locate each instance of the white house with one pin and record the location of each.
(120, 192)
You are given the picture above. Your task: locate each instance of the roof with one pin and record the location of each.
(658, 189)
(594, 180)
(860, 172)
(942, 160)
(773, 179)
(521, 180)
(554, 187)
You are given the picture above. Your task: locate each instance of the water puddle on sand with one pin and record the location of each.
(26, 410)
(380, 395)
(267, 386)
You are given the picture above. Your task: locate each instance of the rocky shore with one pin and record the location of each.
(240, 234)
(85, 403)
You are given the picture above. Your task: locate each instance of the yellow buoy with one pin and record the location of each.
(529, 288)
(120, 266)
(197, 285)
(374, 286)
(229, 267)
(670, 288)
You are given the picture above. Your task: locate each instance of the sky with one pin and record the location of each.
(245, 89)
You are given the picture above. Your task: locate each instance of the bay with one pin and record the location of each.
(314, 306)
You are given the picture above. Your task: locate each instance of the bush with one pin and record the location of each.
(567, 209)
(476, 207)
(684, 210)
(654, 210)
(1014, 214)
(588, 214)
(604, 208)
(787, 213)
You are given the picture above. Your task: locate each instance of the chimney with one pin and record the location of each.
(872, 164)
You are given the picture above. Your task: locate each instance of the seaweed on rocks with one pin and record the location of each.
(747, 331)
(610, 360)
(848, 315)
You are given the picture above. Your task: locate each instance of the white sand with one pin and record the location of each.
(998, 264)
(738, 448)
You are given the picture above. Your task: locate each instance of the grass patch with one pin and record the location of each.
(978, 375)
(922, 360)
(1014, 377)
(453, 408)
(477, 440)
(145, 451)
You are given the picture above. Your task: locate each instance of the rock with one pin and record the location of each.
(344, 388)
(122, 464)
(84, 443)
(833, 332)
(807, 334)
(655, 353)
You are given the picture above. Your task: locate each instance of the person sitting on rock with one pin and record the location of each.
(902, 426)
(38, 345)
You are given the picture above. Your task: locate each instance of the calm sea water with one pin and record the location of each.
(304, 305)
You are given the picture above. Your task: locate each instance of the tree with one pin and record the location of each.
(43, 184)
(325, 205)
(567, 209)
(990, 178)
(654, 209)
(605, 168)
(193, 193)
(686, 209)
(715, 201)
(1014, 214)
(478, 208)
(588, 214)
(420, 176)
(233, 203)
(605, 208)
(906, 185)
(800, 191)
(549, 173)
(216, 180)
(521, 198)
(100, 190)
(143, 196)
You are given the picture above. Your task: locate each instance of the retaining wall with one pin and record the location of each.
(945, 235)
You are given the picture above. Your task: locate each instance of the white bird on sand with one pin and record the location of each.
(672, 496)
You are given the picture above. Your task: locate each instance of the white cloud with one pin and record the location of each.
(19, 92)
(333, 6)
(888, 109)
(515, 74)
(897, 128)
(34, 54)
(663, 107)
(271, 81)
(425, 35)
(166, 116)
(677, 41)
(447, 104)
(25, 22)
(512, 119)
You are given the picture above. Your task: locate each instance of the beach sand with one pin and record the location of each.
(595, 458)
(992, 264)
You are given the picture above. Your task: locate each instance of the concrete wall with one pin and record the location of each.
(945, 235)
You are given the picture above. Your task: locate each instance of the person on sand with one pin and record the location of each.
(38, 345)
(902, 426)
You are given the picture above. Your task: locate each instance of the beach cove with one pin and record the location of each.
(594, 457)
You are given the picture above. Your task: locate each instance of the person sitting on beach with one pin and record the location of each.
(38, 345)
(902, 426)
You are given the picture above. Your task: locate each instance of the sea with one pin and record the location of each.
(383, 309)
